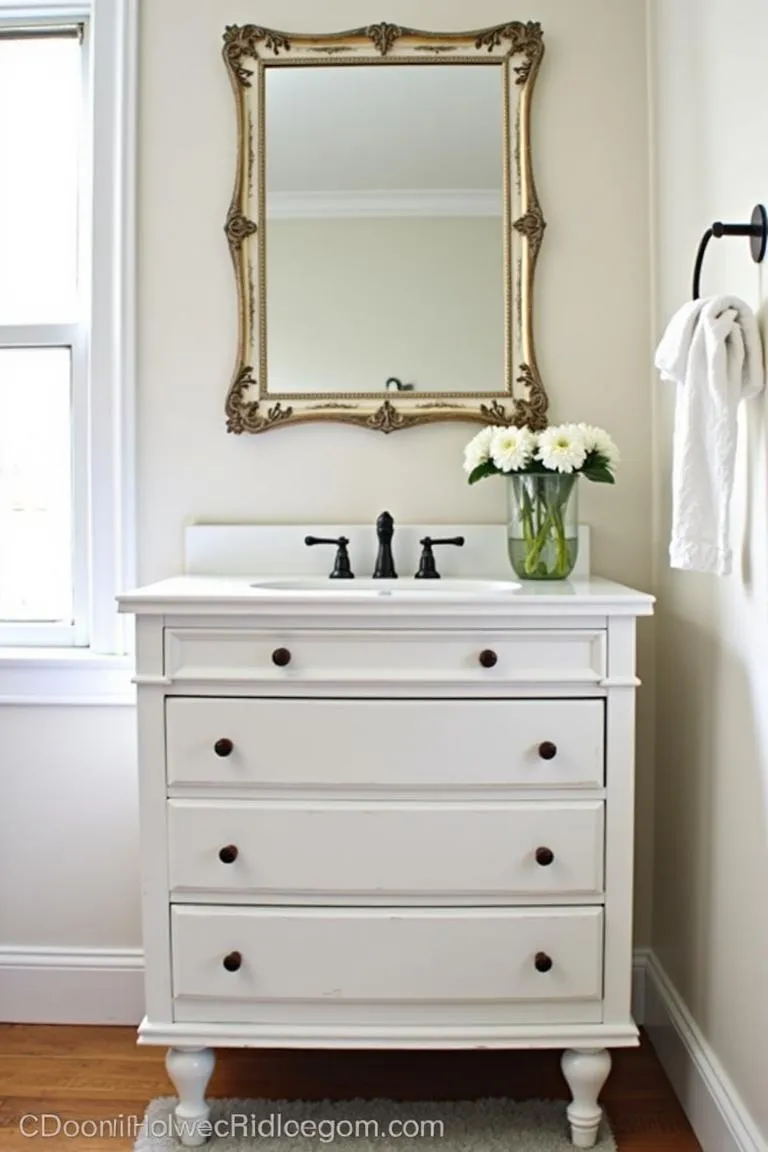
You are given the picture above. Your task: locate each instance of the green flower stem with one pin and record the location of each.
(538, 543)
(564, 489)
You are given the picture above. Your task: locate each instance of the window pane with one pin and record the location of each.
(35, 485)
(40, 109)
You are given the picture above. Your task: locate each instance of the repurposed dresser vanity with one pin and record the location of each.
(387, 819)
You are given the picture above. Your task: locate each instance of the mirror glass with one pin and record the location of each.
(384, 239)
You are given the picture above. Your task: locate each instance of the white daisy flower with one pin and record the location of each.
(478, 451)
(562, 448)
(598, 440)
(512, 448)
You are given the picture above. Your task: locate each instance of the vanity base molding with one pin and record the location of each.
(384, 831)
(582, 1036)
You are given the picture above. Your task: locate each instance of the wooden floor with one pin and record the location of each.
(99, 1074)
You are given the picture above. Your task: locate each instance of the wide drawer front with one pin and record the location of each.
(385, 850)
(387, 955)
(278, 743)
(384, 657)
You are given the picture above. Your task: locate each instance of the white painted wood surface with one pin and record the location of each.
(383, 656)
(387, 795)
(586, 1071)
(364, 955)
(380, 744)
(381, 850)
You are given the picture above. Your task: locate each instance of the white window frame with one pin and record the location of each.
(105, 454)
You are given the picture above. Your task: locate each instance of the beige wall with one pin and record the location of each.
(69, 843)
(710, 925)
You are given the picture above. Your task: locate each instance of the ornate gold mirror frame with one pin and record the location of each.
(517, 48)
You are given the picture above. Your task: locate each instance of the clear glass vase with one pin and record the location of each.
(542, 524)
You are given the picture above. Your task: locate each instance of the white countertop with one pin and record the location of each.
(188, 595)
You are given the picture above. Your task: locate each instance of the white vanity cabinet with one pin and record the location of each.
(387, 821)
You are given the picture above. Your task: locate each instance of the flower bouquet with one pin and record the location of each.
(542, 469)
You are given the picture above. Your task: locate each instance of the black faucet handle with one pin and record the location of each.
(385, 525)
(341, 566)
(427, 569)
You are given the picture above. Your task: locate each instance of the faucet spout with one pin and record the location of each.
(385, 564)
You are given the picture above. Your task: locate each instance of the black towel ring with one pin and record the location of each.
(757, 230)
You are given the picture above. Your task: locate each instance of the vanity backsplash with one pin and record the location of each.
(279, 549)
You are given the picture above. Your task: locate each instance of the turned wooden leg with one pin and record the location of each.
(586, 1071)
(190, 1070)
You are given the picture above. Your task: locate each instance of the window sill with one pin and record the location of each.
(64, 677)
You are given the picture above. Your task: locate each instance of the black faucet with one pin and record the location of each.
(385, 565)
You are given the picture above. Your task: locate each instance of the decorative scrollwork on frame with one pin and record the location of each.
(532, 226)
(383, 36)
(245, 415)
(436, 404)
(386, 418)
(525, 39)
(244, 40)
(533, 410)
(494, 413)
(238, 228)
(334, 404)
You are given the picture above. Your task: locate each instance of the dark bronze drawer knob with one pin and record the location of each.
(232, 961)
(229, 854)
(547, 750)
(488, 658)
(281, 657)
(542, 962)
(223, 747)
(544, 856)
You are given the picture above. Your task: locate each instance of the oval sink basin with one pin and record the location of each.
(407, 586)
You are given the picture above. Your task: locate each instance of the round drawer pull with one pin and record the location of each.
(544, 856)
(281, 657)
(223, 747)
(229, 854)
(232, 961)
(547, 750)
(488, 658)
(542, 962)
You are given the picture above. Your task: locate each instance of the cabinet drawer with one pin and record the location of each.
(348, 744)
(385, 851)
(387, 955)
(384, 657)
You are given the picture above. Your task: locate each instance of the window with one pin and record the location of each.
(43, 331)
(66, 241)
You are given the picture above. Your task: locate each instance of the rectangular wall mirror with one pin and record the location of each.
(384, 227)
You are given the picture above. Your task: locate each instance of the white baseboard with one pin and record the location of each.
(709, 1099)
(66, 986)
(639, 975)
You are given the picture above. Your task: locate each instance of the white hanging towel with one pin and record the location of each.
(713, 352)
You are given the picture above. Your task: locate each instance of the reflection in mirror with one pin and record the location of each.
(384, 230)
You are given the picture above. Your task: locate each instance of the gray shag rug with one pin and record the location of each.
(492, 1125)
